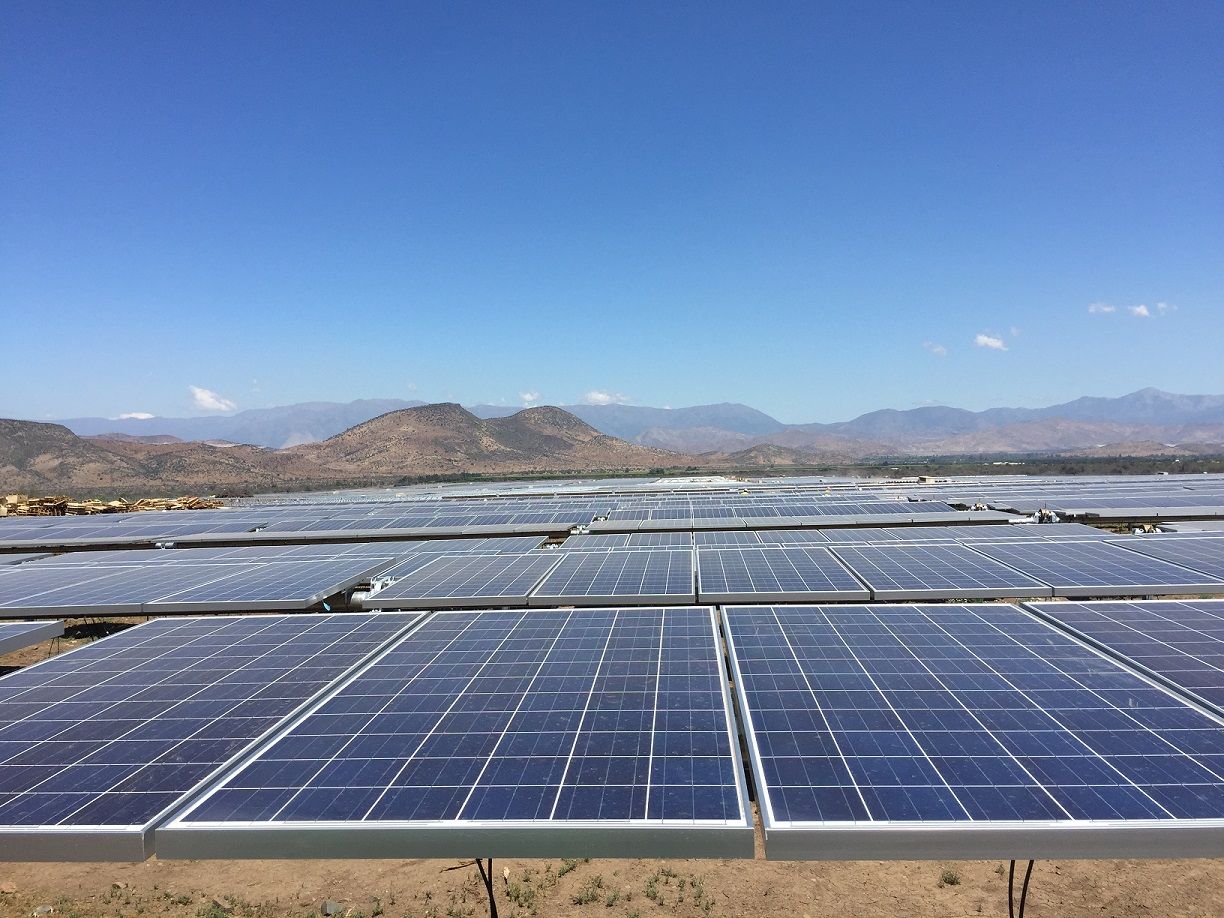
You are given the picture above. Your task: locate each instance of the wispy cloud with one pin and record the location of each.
(208, 400)
(529, 398)
(1162, 308)
(990, 342)
(1141, 311)
(937, 349)
(134, 416)
(598, 397)
(1101, 309)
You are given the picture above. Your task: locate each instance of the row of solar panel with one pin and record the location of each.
(212, 579)
(848, 573)
(873, 731)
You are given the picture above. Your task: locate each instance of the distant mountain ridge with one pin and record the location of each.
(427, 440)
(727, 428)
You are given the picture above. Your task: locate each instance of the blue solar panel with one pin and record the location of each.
(466, 581)
(964, 731)
(774, 575)
(96, 743)
(640, 577)
(1203, 555)
(1098, 568)
(935, 572)
(594, 731)
(1178, 641)
(273, 585)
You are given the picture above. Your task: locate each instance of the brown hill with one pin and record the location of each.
(447, 439)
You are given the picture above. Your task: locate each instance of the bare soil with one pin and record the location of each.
(611, 888)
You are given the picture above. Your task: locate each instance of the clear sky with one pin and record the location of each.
(813, 208)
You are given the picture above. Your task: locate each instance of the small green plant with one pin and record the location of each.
(589, 892)
(949, 878)
(521, 894)
(652, 889)
(569, 864)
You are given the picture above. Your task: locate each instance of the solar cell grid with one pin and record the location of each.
(1203, 555)
(1095, 568)
(466, 580)
(1180, 642)
(638, 577)
(273, 585)
(108, 736)
(774, 575)
(964, 731)
(601, 731)
(903, 571)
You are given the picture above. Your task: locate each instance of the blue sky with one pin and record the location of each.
(816, 209)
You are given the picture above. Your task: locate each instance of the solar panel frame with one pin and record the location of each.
(179, 838)
(19, 635)
(117, 841)
(961, 839)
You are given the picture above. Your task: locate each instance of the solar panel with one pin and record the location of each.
(1097, 568)
(98, 743)
(774, 575)
(1203, 555)
(935, 572)
(275, 585)
(794, 536)
(958, 731)
(726, 538)
(640, 577)
(19, 635)
(1180, 642)
(22, 586)
(123, 591)
(472, 581)
(594, 732)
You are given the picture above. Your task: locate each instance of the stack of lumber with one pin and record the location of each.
(24, 505)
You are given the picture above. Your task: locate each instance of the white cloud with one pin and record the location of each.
(992, 342)
(208, 400)
(1141, 311)
(1100, 309)
(529, 397)
(1162, 308)
(937, 349)
(596, 397)
(134, 416)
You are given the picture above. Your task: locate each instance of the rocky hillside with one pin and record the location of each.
(447, 439)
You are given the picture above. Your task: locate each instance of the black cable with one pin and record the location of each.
(488, 882)
(1011, 890)
(1023, 889)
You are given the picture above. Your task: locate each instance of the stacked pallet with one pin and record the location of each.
(24, 505)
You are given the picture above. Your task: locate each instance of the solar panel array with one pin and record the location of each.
(98, 742)
(1205, 555)
(552, 732)
(964, 731)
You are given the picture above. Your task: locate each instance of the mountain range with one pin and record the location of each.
(411, 443)
(728, 428)
(205, 455)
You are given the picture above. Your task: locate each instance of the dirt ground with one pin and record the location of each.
(612, 888)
